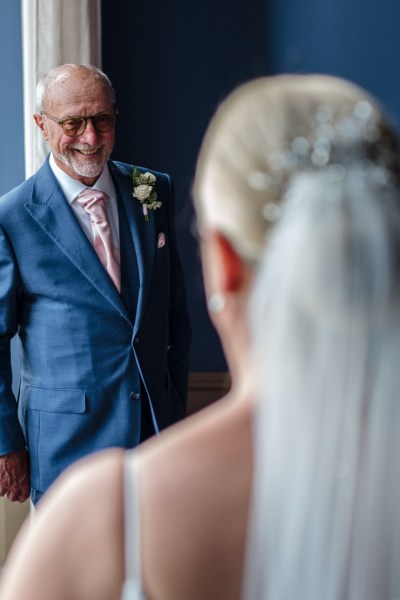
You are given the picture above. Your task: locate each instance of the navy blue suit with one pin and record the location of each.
(91, 358)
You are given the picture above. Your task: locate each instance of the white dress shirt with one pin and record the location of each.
(72, 188)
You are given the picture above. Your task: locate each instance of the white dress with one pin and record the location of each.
(133, 586)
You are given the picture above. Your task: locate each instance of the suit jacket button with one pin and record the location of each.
(136, 341)
(135, 395)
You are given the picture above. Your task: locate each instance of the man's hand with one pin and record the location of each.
(15, 476)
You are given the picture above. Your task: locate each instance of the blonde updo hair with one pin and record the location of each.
(241, 174)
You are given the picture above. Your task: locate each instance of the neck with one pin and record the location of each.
(239, 358)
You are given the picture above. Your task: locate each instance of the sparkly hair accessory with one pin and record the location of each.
(333, 147)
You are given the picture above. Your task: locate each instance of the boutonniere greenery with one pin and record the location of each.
(143, 190)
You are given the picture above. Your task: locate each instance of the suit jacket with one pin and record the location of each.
(86, 354)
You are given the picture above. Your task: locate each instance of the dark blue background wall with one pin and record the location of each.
(11, 106)
(356, 39)
(12, 167)
(172, 62)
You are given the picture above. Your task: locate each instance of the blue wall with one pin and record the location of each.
(355, 39)
(11, 106)
(12, 165)
(171, 63)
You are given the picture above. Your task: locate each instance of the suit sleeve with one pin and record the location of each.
(11, 436)
(179, 325)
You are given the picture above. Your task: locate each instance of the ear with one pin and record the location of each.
(40, 123)
(232, 274)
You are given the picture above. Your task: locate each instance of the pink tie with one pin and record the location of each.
(94, 203)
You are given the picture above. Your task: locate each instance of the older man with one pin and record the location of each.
(91, 281)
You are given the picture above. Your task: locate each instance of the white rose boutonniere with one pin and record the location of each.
(143, 190)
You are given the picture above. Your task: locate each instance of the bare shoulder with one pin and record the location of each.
(92, 495)
(74, 546)
(194, 500)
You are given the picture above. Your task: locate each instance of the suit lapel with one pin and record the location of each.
(129, 265)
(143, 234)
(52, 213)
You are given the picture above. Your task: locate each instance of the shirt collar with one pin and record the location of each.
(72, 187)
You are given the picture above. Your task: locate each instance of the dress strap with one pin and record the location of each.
(132, 587)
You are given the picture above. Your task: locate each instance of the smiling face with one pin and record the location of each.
(82, 94)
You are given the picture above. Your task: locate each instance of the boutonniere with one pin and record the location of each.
(143, 190)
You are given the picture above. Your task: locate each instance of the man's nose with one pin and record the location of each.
(90, 134)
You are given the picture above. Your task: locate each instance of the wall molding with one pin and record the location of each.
(12, 515)
(205, 388)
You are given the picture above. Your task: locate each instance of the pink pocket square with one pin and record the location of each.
(161, 240)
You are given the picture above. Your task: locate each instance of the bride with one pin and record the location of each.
(289, 486)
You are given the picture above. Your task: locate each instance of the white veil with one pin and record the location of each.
(325, 519)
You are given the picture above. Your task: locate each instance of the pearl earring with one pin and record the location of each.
(216, 302)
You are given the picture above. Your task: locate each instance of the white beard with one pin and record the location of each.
(88, 168)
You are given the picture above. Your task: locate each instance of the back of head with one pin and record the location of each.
(270, 129)
(301, 174)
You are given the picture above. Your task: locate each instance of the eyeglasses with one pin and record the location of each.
(73, 126)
